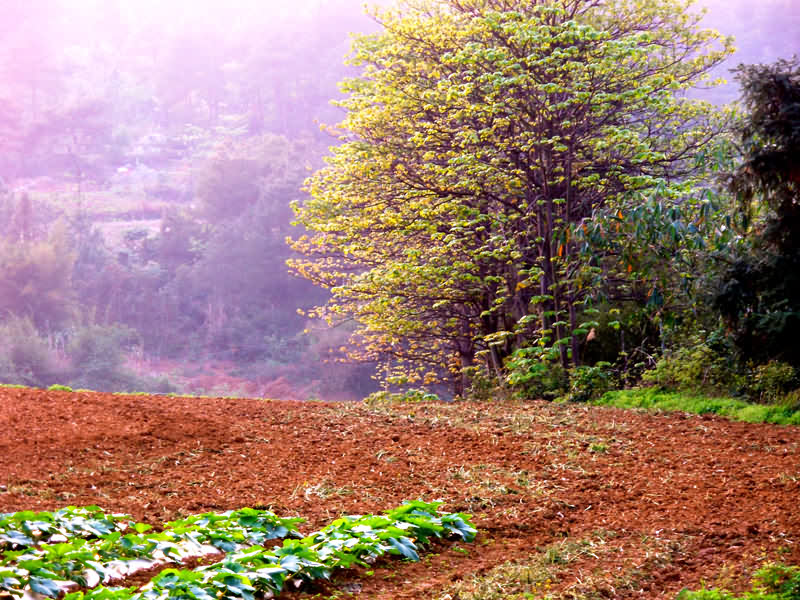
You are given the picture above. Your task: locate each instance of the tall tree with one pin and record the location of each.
(758, 295)
(482, 138)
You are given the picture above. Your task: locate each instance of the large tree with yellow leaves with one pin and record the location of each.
(483, 142)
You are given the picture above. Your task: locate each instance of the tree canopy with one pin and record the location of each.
(485, 144)
(758, 294)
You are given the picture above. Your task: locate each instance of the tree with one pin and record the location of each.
(35, 279)
(759, 294)
(483, 141)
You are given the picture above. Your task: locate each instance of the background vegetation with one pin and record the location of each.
(504, 209)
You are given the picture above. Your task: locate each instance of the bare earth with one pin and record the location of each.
(605, 503)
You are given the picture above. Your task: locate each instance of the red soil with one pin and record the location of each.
(657, 502)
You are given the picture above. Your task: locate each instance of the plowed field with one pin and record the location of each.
(588, 502)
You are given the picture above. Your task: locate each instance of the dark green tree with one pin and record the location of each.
(759, 294)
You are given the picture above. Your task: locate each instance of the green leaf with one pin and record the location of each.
(46, 587)
(404, 547)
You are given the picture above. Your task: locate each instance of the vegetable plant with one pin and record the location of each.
(96, 540)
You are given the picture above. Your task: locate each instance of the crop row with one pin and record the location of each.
(28, 528)
(248, 568)
(63, 562)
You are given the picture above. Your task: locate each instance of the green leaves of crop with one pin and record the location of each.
(45, 586)
(247, 569)
(232, 529)
(28, 528)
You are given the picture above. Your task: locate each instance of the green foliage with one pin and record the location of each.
(28, 528)
(770, 582)
(704, 594)
(229, 529)
(695, 368)
(737, 410)
(782, 580)
(758, 292)
(247, 569)
(485, 157)
(407, 396)
(532, 377)
(589, 383)
(771, 382)
(483, 385)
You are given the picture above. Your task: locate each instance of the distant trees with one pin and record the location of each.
(210, 128)
(35, 279)
(484, 143)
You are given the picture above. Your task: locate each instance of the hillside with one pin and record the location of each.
(592, 502)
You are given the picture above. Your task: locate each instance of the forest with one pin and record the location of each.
(456, 198)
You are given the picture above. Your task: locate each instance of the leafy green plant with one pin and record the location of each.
(773, 381)
(695, 368)
(230, 529)
(247, 568)
(533, 374)
(408, 396)
(28, 528)
(589, 383)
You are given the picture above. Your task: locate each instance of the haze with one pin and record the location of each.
(149, 153)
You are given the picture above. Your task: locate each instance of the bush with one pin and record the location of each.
(532, 376)
(778, 579)
(697, 369)
(791, 401)
(25, 356)
(589, 383)
(773, 381)
(483, 385)
(409, 396)
(97, 354)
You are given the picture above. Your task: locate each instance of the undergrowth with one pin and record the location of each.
(738, 410)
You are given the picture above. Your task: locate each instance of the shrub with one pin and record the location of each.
(25, 356)
(532, 376)
(773, 381)
(778, 579)
(408, 396)
(695, 368)
(791, 401)
(97, 354)
(483, 386)
(589, 383)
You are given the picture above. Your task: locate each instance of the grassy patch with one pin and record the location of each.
(738, 410)
(771, 582)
